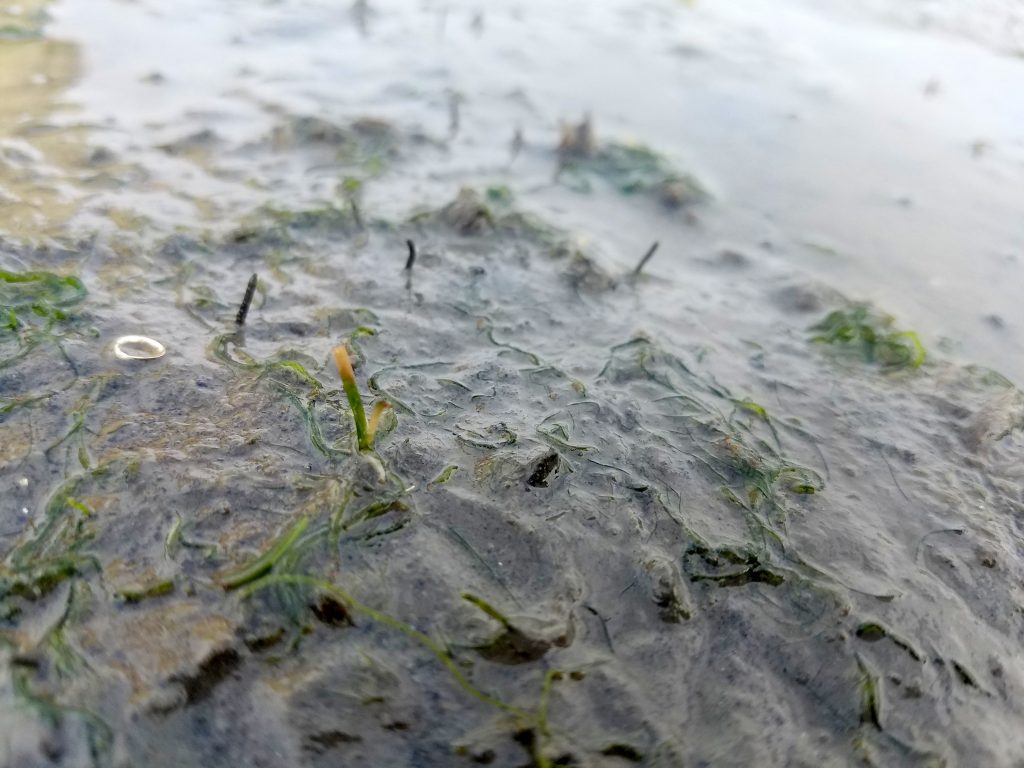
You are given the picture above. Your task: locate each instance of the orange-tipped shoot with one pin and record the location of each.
(364, 431)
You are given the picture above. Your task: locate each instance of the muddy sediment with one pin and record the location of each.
(701, 511)
(617, 531)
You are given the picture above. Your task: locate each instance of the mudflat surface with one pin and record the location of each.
(721, 510)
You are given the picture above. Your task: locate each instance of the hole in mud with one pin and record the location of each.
(331, 612)
(871, 633)
(210, 674)
(542, 471)
(527, 739)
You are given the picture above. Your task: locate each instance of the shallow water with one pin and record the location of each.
(689, 533)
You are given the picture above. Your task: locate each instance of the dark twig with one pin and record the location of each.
(645, 259)
(454, 100)
(518, 142)
(356, 214)
(412, 254)
(243, 310)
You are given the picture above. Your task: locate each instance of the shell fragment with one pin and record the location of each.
(138, 348)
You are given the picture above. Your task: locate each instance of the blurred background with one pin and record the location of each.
(878, 146)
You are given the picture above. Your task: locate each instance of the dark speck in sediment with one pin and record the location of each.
(542, 471)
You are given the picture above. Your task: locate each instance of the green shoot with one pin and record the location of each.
(364, 431)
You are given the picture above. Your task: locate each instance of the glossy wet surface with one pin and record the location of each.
(714, 513)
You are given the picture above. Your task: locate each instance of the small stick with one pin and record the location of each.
(355, 213)
(646, 258)
(453, 114)
(243, 310)
(517, 145)
(412, 255)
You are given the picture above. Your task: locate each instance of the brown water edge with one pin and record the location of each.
(33, 193)
(702, 549)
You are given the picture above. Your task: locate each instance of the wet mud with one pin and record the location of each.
(690, 507)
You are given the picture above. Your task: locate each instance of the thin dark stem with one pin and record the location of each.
(647, 257)
(412, 254)
(243, 310)
(356, 214)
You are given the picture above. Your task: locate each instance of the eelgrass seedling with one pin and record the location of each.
(364, 431)
(412, 255)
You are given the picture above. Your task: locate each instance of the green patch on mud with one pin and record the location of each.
(34, 309)
(630, 169)
(860, 331)
(634, 169)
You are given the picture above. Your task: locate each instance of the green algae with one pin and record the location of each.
(860, 330)
(27, 297)
(445, 475)
(146, 591)
(630, 169)
(38, 564)
(36, 308)
(754, 473)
